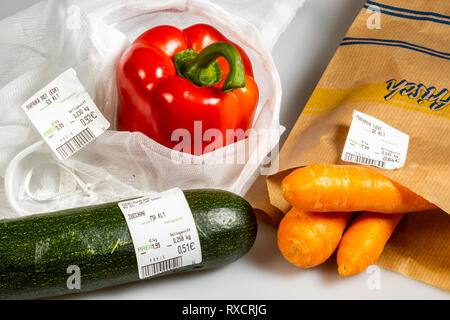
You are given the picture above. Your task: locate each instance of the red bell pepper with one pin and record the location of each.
(169, 78)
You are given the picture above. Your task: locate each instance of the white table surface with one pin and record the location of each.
(263, 273)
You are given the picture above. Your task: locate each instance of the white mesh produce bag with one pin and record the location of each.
(41, 42)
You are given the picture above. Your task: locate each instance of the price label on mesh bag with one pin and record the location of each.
(163, 231)
(65, 115)
(372, 142)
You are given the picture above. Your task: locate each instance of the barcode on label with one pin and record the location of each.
(363, 160)
(162, 266)
(76, 143)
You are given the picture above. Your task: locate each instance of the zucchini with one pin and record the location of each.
(36, 251)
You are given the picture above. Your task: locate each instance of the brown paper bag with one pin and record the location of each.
(394, 65)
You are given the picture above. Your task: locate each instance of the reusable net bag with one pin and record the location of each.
(39, 43)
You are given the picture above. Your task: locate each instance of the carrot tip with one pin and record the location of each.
(345, 271)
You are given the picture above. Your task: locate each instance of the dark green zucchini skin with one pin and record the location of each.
(36, 251)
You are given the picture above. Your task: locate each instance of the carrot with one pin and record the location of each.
(364, 241)
(324, 188)
(308, 239)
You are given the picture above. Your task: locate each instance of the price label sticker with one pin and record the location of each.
(373, 142)
(163, 231)
(65, 115)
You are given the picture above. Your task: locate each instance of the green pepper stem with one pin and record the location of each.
(197, 71)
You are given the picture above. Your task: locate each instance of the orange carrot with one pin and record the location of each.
(325, 188)
(364, 241)
(308, 239)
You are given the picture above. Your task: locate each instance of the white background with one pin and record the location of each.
(301, 56)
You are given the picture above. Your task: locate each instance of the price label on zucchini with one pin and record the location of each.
(65, 115)
(163, 231)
